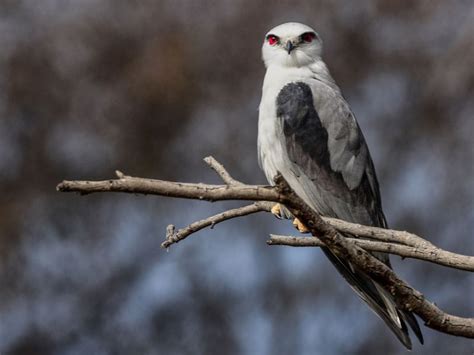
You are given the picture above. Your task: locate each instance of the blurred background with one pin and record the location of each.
(152, 87)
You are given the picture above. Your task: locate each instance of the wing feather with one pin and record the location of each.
(330, 168)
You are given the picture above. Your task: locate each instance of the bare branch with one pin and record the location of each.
(427, 253)
(174, 237)
(135, 185)
(221, 171)
(292, 241)
(327, 230)
(239, 191)
(377, 233)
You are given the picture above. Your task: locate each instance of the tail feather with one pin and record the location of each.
(409, 318)
(379, 300)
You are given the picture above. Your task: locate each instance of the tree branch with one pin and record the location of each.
(328, 231)
(429, 253)
(136, 185)
(238, 191)
(220, 170)
(173, 237)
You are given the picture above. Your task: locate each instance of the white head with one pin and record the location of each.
(291, 44)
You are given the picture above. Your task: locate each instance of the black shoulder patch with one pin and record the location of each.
(301, 123)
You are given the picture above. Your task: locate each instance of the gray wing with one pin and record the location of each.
(330, 156)
(331, 169)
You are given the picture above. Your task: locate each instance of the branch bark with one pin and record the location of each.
(136, 185)
(328, 231)
(173, 236)
(427, 252)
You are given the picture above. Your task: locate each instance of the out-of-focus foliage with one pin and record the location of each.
(151, 87)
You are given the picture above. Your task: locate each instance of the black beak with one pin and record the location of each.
(289, 46)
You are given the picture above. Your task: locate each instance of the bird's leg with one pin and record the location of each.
(276, 211)
(300, 226)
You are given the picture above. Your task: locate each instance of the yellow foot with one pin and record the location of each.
(276, 211)
(300, 226)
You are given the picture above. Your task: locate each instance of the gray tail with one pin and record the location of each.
(379, 300)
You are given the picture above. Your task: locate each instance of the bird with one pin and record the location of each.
(308, 134)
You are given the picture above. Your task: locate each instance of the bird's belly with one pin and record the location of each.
(273, 155)
(270, 150)
(276, 160)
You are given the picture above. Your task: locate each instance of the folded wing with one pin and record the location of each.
(330, 168)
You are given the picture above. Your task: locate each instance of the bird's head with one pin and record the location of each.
(291, 44)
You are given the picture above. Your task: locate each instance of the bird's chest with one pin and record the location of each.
(272, 154)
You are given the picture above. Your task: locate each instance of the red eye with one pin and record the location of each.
(272, 40)
(308, 36)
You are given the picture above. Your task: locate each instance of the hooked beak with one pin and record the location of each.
(289, 46)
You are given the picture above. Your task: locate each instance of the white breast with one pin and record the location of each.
(272, 155)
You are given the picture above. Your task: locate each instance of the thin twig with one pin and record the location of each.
(388, 235)
(430, 254)
(221, 171)
(174, 237)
